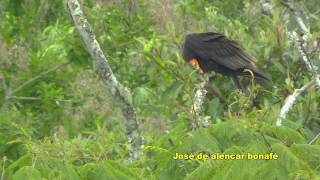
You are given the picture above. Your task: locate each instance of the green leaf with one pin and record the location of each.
(21, 162)
(171, 93)
(106, 170)
(310, 154)
(215, 107)
(286, 135)
(69, 173)
(27, 173)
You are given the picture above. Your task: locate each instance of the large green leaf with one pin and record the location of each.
(27, 173)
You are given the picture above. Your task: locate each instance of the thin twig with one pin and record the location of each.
(3, 167)
(58, 66)
(315, 138)
(37, 98)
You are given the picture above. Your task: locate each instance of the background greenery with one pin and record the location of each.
(65, 125)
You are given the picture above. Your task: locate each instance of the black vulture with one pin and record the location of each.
(215, 52)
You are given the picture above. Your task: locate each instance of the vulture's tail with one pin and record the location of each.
(260, 77)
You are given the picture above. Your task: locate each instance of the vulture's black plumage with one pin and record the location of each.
(215, 52)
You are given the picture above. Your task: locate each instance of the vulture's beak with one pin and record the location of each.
(194, 62)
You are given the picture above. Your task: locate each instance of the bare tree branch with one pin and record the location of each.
(198, 100)
(2, 82)
(105, 72)
(302, 44)
(301, 48)
(266, 7)
(290, 100)
(8, 93)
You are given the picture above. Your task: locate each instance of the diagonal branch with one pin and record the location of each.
(302, 44)
(290, 100)
(315, 139)
(40, 76)
(105, 72)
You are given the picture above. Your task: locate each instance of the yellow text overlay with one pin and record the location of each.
(226, 156)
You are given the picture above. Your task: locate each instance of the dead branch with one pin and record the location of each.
(302, 42)
(8, 93)
(290, 100)
(198, 100)
(301, 47)
(266, 7)
(105, 72)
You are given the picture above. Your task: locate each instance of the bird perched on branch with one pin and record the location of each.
(215, 52)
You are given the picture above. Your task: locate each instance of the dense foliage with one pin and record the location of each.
(58, 121)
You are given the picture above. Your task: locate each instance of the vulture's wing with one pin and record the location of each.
(216, 47)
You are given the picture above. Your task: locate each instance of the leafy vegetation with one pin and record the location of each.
(57, 121)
